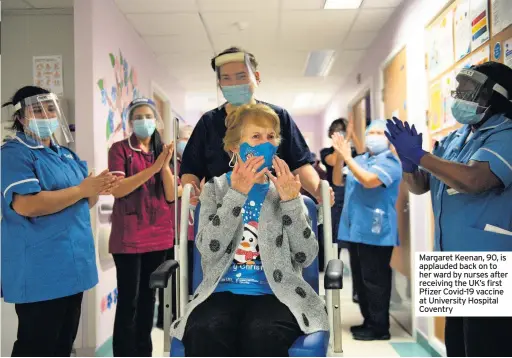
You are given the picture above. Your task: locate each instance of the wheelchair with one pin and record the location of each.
(317, 344)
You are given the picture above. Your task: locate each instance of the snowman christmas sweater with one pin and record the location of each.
(246, 276)
(286, 244)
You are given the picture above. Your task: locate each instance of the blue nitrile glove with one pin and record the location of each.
(407, 165)
(406, 140)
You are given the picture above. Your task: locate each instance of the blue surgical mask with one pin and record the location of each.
(144, 128)
(237, 95)
(43, 128)
(465, 112)
(180, 148)
(266, 150)
(376, 144)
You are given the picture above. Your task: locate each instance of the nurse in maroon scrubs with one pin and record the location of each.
(142, 227)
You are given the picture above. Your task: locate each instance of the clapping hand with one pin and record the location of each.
(245, 174)
(407, 141)
(169, 151)
(101, 184)
(287, 185)
(341, 146)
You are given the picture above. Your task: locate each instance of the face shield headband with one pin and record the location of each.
(144, 124)
(43, 118)
(237, 84)
(476, 87)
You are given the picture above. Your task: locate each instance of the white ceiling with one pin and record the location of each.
(185, 34)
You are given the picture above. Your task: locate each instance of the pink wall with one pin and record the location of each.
(313, 125)
(114, 35)
(101, 30)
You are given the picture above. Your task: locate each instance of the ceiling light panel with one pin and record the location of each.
(342, 4)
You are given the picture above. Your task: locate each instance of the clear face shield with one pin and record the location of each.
(144, 118)
(43, 119)
(235, 78)
(471, 98)
(475, 89)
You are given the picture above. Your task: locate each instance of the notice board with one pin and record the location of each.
(464, 33)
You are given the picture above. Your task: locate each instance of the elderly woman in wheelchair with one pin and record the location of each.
(254, 237)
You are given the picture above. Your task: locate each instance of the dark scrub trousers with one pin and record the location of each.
(47, 328)
(372, 275)
(47, 261)
(230, 325)
(478, 336)
(142, 233)
(205, 157)
(135, 303)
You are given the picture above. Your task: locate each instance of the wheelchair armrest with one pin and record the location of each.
(333, 279)
(160, 277)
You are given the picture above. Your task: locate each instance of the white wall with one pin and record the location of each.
(28, 33)
(405, 28)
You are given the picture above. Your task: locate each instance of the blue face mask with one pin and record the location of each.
(43, 128)
(144, 128)
(266, 150)
(376, 144)
(237, 95)
(466, 112)
(180, 148)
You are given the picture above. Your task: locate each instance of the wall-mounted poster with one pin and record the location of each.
(481, 56)
(440, 45)
(501, 16)
(448, 84)
(479, 23)
(462, 30)
(436, 107)
(476, 58)
(508, 53)
(47, 71)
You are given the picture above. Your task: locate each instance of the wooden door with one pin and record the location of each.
(395, 104)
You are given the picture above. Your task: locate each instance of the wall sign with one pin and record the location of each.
(497, 51)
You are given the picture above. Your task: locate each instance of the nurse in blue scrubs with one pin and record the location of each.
(469, 176)
(48, 256)
(369, 224)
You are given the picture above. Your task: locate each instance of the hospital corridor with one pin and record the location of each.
(252, 178)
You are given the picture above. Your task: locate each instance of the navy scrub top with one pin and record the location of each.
(204, 154)
(51, 256)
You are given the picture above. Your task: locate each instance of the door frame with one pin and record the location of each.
(167, 115)
(412, 244)
(363, 89)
